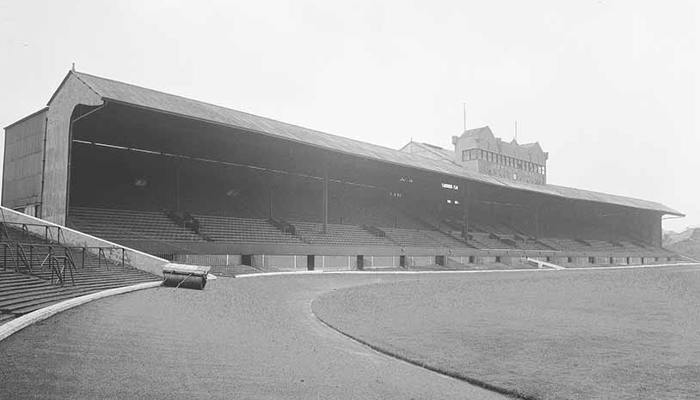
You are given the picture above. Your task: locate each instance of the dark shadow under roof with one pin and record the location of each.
(112, 90)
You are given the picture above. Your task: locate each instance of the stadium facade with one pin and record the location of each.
(200, 183)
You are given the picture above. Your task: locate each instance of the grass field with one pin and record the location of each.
(615, 334)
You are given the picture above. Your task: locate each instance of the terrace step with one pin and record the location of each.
(6, 318)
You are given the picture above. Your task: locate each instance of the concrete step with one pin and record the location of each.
(22, 293)
(6, 317)
(35, 304)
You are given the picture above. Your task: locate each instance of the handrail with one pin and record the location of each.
(28, 224)
(47, 258)
(55, 269)
(69, 257)
(60, 235)
(60, 270)
(48, 235)
(19, 256)
(5, 232)
(23, 257)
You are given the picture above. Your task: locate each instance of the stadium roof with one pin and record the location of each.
(121, 92)
(432, 151)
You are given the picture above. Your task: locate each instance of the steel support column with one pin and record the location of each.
(465, 209)
(325, 198)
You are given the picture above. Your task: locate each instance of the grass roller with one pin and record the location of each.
(185, 276)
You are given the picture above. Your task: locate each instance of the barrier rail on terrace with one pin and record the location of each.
(28, 252)
(49, 230)
(25, 257)
(46, 251)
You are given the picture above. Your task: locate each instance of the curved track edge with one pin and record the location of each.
(451, 374)
(33, 317)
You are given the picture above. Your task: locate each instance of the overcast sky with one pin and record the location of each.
(609, 88)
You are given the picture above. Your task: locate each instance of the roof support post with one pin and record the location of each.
(177, 186)
(271, 189)
(325, 196)
(465, 209)
(537, 220)
(656, 231)
(270, 193)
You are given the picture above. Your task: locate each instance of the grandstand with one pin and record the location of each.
(194, 182)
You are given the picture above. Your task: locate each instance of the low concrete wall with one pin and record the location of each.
(381, 261)
(619, 260)
(291, 262)
(349, 263)
(602, 260)
(486, 259)
(635, 260)
(420, 261)
(133, 258)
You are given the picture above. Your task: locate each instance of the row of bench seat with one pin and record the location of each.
(129, 225)
(116, 225)
(337, 234)
(234, 229)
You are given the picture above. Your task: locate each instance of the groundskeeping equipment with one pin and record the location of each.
(185, 276)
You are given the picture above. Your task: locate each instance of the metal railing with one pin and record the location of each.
(51, 233)
(33, 258)
(59, 267)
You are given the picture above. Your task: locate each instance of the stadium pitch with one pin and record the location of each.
(628, 333)
(623, 334)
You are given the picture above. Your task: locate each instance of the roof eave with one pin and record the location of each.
(60, 86)
(19, 121)
(664, 210)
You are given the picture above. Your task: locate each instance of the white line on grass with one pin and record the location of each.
(475, 384)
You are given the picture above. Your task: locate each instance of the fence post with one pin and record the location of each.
(83, 266)
(123, 257)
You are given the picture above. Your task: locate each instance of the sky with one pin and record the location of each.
(609, 88)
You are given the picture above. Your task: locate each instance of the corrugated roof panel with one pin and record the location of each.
(165, 102)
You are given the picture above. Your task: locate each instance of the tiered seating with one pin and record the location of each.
(483, 240)
(404, 226)
(529, 244)
(636, 249)
(565, 244)
(249, 230)
(22, 293)
(479, 227)
(337, 234)
(444, 240)
(597, 246)
(413, 237)
(603, 246)
(117, 225)
(495, 227)
(368, 213)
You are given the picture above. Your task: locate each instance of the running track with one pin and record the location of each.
(240, 338)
